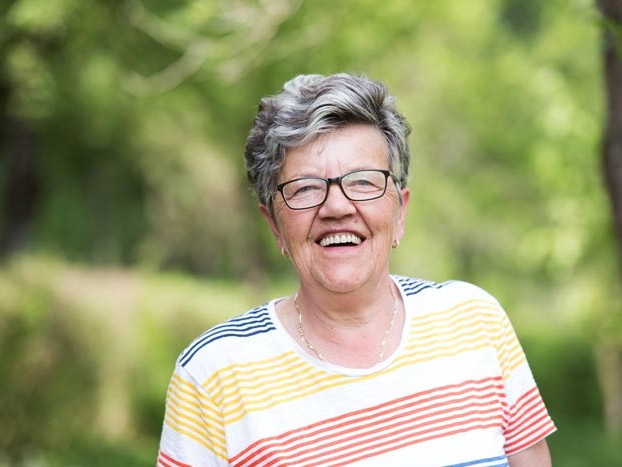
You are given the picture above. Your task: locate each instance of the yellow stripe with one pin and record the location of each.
(186, 430)
(456, 310)
(251, 368)
(449, 352)
(204, 420)
(485, 331)
(466, 326)
(215, 432)
(194, 399)
(187, 407)
(287, 394)
(511, 355)
(496, 321)
(257, 384)
(512, 359)
(286, 382)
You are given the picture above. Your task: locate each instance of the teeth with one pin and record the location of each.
(340, 239)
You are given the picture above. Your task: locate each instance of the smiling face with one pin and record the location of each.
(341, 245)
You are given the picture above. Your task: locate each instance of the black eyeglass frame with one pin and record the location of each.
(337, 180)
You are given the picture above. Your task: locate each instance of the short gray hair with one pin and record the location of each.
(310, 105)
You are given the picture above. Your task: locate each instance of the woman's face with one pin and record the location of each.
(375, 224)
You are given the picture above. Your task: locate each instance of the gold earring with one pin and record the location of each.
(284, 252)
(396, 243)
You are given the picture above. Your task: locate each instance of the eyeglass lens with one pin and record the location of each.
(361, 185)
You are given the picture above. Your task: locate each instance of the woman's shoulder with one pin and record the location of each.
(234, 332)
(457, 289)
(449, 299)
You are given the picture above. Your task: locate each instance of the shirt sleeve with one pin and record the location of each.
(193, 433)
(527, 420)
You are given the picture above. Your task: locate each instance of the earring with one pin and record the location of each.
(396, 243)
(284, 252)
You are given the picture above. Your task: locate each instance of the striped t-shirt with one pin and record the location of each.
(457, 392)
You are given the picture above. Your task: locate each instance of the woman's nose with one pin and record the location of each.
(336, 203)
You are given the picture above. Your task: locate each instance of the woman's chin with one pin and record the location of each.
(343, 279)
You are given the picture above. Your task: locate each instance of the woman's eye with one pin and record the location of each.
(361, 183)
(306, 189)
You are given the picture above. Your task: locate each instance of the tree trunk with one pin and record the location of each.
(22, 181)
(609, 368)
(609, 355)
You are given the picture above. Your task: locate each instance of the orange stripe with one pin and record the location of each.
(386, 431)
(538, 429)
(403, 444)
(529, 415)
(398, 446)
(444, 400)
(172, 461)
(241, 388)
(365, 413)
(412, 433)
(372, 450)
(525, 407)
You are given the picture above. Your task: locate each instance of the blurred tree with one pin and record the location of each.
(140, 111)
(20, 156)
(123, 124)
(23, 181)
(113, 116)
(610, 354)
(523, 17)
(68, 181)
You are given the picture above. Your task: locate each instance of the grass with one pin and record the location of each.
(86, 355)
(583, 443)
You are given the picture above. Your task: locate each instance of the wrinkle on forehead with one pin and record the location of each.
(317, 154)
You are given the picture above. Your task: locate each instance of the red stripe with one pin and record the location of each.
(408, 436)
(541, 427)
(348, 420)
(356, 433)
(525, 419)
(530, 422)
(536, 418)
(305, 432)
(446, 402)
(525, 400)
(400, 446)
(384, 433)
(163, 457)
(530, 405)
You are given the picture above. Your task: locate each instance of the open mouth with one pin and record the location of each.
(340, 240)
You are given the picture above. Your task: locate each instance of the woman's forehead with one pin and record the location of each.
(349, 148)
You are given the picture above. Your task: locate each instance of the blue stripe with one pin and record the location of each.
(503, 463)
(256, 321)
(256, 315)
(412, 286)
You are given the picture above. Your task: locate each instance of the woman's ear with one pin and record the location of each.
(401, 219)
(274, 228)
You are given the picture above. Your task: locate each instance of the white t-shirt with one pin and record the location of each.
(457, 392)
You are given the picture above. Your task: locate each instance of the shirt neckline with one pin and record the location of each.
(292, 345)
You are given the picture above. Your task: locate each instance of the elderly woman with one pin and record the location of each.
(358, 366)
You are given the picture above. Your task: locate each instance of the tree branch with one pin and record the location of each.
(251, 30)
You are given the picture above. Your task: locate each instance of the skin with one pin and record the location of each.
(535, 456)
(345, 291)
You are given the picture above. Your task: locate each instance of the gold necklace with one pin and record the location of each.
(316, 352)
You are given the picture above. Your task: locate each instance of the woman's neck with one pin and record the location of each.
(355, 329)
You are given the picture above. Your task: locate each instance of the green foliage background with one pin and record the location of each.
(145, 232)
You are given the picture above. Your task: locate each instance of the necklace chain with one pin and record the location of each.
(316, 352)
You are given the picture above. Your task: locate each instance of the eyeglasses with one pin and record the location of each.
(309, 192)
